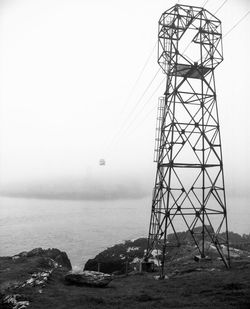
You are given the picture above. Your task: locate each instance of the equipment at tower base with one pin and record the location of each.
(189, 191)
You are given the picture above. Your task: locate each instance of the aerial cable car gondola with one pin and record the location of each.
(102, 162)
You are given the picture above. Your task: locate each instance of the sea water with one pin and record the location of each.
(81, 228)
(84, 228)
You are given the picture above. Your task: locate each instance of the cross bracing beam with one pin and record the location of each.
(189, 183)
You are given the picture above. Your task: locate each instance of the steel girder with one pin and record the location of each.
(189, 187)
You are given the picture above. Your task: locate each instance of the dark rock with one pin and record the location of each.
(23, 254)
(22, 297)
(123, 257)
(117, 258)
(14, 301)
(56, 255)
(28, 271)
(34, 252)
(63, 260)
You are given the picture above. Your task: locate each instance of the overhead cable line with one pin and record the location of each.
(238, 22)
(205, 3)
(220, 7)
(231, 29)
(134, 87)
(140, 99)
(187, 47)
(214, 13)
(120, 131)
(144, 105)
(139, 76)
(241, 19)
(150, 111)
(234, 26)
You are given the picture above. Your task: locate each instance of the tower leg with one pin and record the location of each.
(189, 191)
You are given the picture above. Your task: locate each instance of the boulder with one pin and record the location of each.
(91, 278)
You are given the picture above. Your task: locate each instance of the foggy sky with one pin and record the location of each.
(66, 71)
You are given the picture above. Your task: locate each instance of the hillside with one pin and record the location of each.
(125, 257)
(188, 285)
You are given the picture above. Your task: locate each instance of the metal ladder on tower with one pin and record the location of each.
(158, 128)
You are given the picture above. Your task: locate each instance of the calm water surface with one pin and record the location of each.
(84, 228)
(81, 228)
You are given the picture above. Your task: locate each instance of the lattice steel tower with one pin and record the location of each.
(189, 187)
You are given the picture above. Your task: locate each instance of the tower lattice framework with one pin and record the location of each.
(189, 189)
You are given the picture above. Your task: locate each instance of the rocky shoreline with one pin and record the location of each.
(127, 256)
(43, 278)
(26, 271)
(119, 258)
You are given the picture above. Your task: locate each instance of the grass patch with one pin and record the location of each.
(146, 298)
(233, 286)
(218, 289)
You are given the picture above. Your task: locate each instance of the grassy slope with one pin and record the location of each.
(188, 288)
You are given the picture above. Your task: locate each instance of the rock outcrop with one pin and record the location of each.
(127, 256)
(15, 301)
(58, 257)
(118, 259)
(37, 279)
(28, 270)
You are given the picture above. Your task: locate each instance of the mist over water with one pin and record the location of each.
(81, 228)
(67, 100)
(84, 228)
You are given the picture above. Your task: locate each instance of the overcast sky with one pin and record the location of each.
(68, 96)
